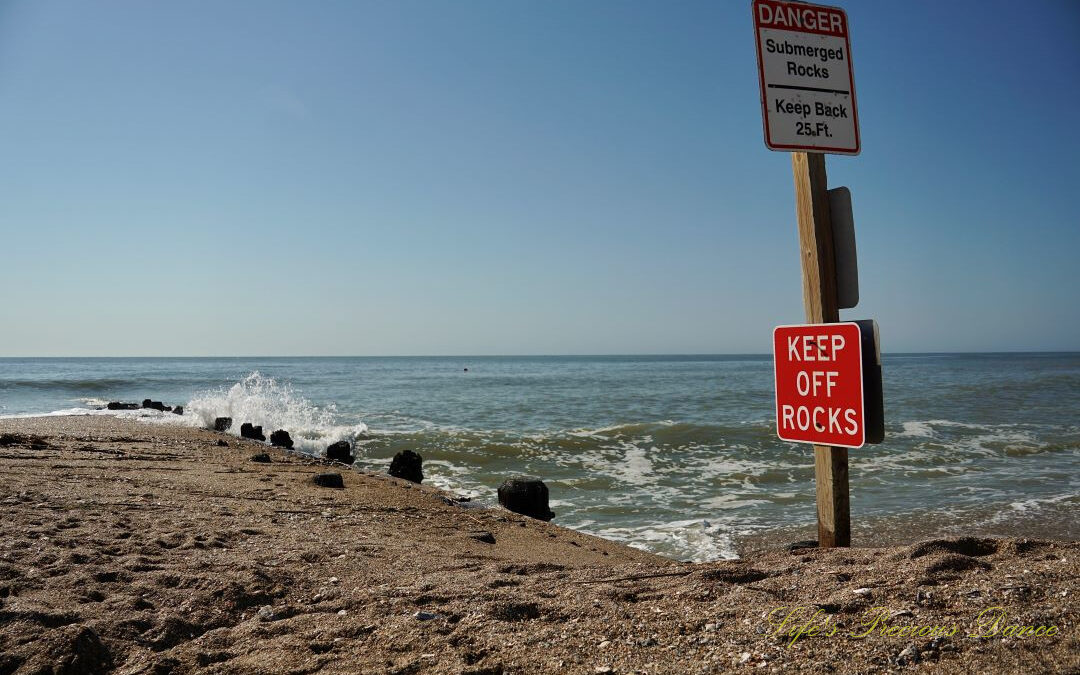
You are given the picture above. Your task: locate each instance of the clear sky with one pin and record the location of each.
(516, 177)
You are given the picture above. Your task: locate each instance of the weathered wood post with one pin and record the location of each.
(808, 108)
(819, 300)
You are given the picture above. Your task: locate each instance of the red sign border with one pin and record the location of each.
(764, 100)
(862, 387)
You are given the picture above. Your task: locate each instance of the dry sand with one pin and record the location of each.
(136, 548)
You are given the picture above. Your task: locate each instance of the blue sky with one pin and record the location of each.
(510, 177)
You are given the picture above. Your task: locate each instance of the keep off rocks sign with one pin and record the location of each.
(819, 384)
(807, 83)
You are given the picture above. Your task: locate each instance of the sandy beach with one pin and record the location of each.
(137, 548)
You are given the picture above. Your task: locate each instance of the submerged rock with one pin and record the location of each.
(178, 410)
(527, 496)
(329, 480)
(248, 430)
(222, 423)
(408, 465)
(340, 452)
(281, 439)
(117, 405)
(155, 405)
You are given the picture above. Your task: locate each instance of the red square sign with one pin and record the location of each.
(819, 384)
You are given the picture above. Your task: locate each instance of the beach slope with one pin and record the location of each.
(139, 548)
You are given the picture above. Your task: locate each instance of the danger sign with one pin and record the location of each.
(807, 82)
(819, 384)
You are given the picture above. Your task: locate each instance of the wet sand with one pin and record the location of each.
(136, 548)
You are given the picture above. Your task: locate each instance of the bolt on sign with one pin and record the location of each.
(822, 384)
(806, 78)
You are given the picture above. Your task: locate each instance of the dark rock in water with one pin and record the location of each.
(223, 444)
(330, 480)
(408, 465)
(261, 458)
(222, 423)
(527, 496)
(248, 430)
(340, 452)
(117, 405)
(154, 405)
(281, 439)
(178, 410)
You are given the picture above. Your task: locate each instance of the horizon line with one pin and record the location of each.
(490, 356)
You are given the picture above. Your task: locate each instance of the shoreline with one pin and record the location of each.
(1052, 518)
(136, 548)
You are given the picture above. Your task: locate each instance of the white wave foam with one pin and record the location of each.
(93, 402)
(995, 443)
(1036, 503)
(925, 428)
(263, 401)
(632, 427)
(915, 429)
(694, 540)
(962, 425)
(141, 414)
(729, 501)
(635, 468)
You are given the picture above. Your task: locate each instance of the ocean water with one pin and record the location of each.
(673, 454)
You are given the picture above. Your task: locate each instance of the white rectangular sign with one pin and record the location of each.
(807, 82)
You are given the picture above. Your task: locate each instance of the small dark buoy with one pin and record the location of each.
(466, 370)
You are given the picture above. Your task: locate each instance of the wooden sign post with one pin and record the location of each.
(819, 300)
(808, 108)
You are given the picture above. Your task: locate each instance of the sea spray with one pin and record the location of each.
(264, 401)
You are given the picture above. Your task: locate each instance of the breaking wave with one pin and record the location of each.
(263, 401)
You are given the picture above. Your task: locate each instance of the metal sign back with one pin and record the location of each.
(845, 254)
